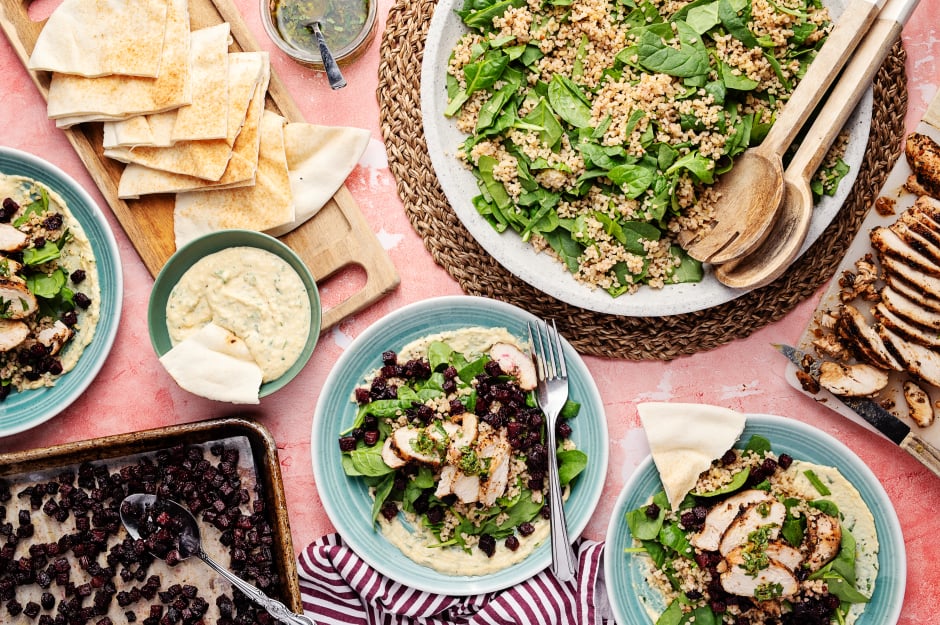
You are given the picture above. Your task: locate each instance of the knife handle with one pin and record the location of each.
(926, 453)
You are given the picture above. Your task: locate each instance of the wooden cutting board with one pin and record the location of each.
(337, 237)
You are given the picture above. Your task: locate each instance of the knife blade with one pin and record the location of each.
(868, 409)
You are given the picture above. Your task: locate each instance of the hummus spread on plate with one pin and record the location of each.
(252, 293)
(49, 286)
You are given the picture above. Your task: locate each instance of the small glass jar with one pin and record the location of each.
(348, 26)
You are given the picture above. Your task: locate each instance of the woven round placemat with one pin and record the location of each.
(635, 338)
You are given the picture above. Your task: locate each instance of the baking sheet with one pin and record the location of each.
(258, 465)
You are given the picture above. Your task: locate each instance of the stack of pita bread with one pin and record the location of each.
(188, 117)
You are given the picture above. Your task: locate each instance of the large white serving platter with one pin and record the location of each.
(541, 271)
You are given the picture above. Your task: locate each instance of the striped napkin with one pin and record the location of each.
(338, 587)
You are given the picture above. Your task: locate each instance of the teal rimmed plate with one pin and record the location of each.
(184, 258)
(347, 501)
(24, 410)
(627, 589)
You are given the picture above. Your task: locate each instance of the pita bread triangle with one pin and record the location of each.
(137, 180)
(117, 95)
(216, 364)
(208, 59)
(684, 439)
(319, 158)
(207, 159)
(80, 38)
(261, 206)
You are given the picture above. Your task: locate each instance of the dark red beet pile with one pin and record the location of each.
(86, 503)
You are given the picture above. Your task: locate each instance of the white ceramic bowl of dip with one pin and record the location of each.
(200, 248)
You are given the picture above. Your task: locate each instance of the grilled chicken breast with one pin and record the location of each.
(923, 155)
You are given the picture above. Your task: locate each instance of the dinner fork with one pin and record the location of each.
(551, 394)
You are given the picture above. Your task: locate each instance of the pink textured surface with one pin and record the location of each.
(133, 392)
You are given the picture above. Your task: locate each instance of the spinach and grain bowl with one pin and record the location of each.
(596, 128)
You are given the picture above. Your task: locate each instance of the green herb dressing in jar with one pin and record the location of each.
(340, 20)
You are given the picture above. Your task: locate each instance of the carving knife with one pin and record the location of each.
(871, 411)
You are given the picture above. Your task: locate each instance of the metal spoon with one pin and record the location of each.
(190, 544)
(782, 246)
(333, 73)
(751, 194)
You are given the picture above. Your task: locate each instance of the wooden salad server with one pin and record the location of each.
(751, 193)
(783, 244)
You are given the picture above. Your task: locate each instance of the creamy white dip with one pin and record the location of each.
(255, 295)
(407, 534)
(75, 254)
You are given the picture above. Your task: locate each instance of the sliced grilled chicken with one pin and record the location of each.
(929, 285)
(922, 224)
(738, 580)
(912, 293)
(466, 487)
(856, 380)
(12, 333)
(463, 436)
(913, 185)
(923, 155)
(823, 537)
(854, 329)
(515, 363)
(889, 244)
(408, 444)
(782, 553)
(19, 303)
(499, 455)
(861, 282)
(918, 360)
(928, 209)
(55, 337)
(445, 481)
(754, 517)
(9, 268)
(910, 310)
(919, 407)
(906, 329)
(390, 455)
(11, 239)
(917, 241)
(721, 515)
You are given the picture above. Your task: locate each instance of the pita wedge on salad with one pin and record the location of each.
(684, 439)
(80, 38)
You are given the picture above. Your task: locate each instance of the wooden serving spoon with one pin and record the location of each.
(751, 193)
(782, 245)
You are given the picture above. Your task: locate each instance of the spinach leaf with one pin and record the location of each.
(672, 615)
(737, 481)
(46, 286)
(550, 129)
(569, 102)
(382, 491)
(573, 462)
(481, 16)
(484, 73)
(565, 246)
(366, 460)
(691, 59)
(642, 527)
(736, 81)
(735, 24)
(701, 167)
(634, 179)
(689, 269)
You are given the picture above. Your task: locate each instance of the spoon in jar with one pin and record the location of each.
(333, 73)
(140, 513)
(783, 245)
(750, 195)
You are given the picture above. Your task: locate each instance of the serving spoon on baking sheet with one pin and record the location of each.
(751, 193)
(783, 244)
(135, 508)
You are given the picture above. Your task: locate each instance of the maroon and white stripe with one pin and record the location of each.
(338, 587)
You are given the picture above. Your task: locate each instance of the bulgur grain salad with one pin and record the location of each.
(597, 127)
(762, 539)
(49, 290)
(451, 442)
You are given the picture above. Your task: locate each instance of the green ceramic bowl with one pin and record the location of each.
(185, 257)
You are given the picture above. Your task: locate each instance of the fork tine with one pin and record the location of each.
(562, 369)
(538, 351)
(552, 371)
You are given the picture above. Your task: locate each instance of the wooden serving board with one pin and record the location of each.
(337, 237)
